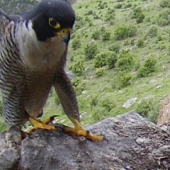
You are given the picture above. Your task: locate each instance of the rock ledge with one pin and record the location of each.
(131, 143)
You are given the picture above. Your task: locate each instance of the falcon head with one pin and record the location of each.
(51, 18)
(43, 34)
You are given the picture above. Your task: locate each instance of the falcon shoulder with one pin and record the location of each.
(5, 20)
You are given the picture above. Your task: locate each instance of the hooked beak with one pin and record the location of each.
(64, 34)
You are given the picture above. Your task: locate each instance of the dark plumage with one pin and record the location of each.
(60, 10)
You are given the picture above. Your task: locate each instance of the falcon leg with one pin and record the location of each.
(67, 96)
(79, 131)
(37, 124)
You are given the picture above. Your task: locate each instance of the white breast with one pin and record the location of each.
(36, 54)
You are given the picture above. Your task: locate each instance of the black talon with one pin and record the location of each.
(53, 117)
(88, 132)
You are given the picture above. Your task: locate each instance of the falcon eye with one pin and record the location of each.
(53, 23)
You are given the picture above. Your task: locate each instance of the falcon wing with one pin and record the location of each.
(17, 6)
(4, 21)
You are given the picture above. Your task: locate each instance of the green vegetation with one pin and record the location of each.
(107, 58)
(125, 31)
(78, 68)
(125, 61)
(90, 50)
(148, 67)
(148, 108)
(138, 14)
(118, 50)
(99, 72)
(124, 79)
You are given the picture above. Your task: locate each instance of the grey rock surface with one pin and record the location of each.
(131, 143)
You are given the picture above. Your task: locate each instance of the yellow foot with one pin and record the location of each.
(79, 131)
(37, 124)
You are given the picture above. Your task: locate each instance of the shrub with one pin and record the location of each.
(111, 61)
(118, 6)
(122, 32)
(162, 22)
(148, 19)
(153, 31)
(111, 11)
(107, 104)
(140, 18)
(149, 109)
(101, 6)
(96, 16)
(79, 22)
(165, 3)
(124, 79)
(115, 48)
(90, 12)
(105, 58)
(159, 38)
(136, 12)
(163, 19)
(162, 46)
(87, 19)
(131, 30)
(78, 68)
(125, 61)
(100, 60)
(79, 7)
(102, 29)
(95, 35)
(128, 5)
(76, 81)
(91, 23)
(78, 85)
(144, 107)
(140, 43)
(90, 51)
(148, 67)
(110, 16)
(150, 64)
(76, 43)
(138, 15)
(99, 72)
(142, 72)
(106, 36)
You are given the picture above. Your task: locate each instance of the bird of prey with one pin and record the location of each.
(33, 51)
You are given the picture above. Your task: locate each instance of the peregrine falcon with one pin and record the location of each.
(33, 51)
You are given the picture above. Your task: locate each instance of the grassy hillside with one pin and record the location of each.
(119, 50)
